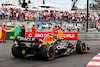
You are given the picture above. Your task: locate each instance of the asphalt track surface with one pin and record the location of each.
(74, 60)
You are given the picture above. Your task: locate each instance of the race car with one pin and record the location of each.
(46, 48)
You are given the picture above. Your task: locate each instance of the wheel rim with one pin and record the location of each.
(51, 53)
(83, 47)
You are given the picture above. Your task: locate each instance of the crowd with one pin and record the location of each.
(45, 15)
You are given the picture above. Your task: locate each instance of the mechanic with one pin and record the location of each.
(3, 34)
(55, 30)
(23, 30)
(48, 39)
(33, 31)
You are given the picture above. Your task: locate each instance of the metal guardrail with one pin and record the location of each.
(89, 36)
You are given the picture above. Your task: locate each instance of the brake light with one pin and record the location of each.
(37, 43)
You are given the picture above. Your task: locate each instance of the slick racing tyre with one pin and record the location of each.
(80, 47)
(20, 51)
(47, 52)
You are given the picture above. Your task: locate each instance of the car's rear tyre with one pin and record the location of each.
(20, 51)
(80, 47)
(47, 52)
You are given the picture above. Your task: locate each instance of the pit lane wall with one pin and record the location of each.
(38, 35)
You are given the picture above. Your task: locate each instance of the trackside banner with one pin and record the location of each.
(62, 35)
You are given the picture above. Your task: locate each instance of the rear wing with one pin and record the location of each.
(21, 39)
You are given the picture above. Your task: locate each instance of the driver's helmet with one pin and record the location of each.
(51, 35)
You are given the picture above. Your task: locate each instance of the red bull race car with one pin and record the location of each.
(47, 47)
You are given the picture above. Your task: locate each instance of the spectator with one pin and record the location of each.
(76, 27)
(83, 27)
(59, 28)
(55, 30)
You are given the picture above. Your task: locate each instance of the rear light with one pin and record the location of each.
(37, 43)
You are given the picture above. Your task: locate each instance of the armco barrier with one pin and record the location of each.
(89, 36)
(83, 36)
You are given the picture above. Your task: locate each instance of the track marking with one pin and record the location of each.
(96, 58)
(95, 61)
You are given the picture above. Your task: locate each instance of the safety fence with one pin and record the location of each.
(63, 35)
